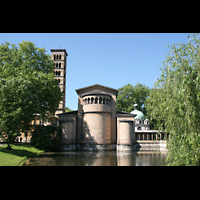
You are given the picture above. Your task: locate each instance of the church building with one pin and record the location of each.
(97, 125)
(59, 56)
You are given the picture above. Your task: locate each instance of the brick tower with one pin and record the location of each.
(59, 56)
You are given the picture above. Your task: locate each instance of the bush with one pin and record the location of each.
(47, 138)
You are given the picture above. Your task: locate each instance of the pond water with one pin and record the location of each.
(107, 158)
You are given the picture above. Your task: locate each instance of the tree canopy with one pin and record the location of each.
(27, 87)
(175, 102)
(129, 95)
(67, 109)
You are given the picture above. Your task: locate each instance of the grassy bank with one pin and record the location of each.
(17, 155)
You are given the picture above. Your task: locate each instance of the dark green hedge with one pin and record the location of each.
(47, 138)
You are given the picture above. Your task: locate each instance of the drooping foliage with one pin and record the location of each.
(175, 102)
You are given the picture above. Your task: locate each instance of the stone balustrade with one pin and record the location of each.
(150, 135)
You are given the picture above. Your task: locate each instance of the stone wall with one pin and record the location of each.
(97, 102)
(68, 123)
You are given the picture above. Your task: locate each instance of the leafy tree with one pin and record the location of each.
(175, 102)
(68, 109)
(149, 109)
(129, 95)
(27, 86)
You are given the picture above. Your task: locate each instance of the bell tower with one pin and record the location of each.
(59, 56)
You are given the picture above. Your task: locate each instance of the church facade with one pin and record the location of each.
(97, 125)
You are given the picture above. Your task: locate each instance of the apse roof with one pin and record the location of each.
(96, 86)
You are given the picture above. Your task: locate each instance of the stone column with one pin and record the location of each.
(148, 136)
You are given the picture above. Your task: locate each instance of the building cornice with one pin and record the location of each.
(59, 50)
(81, 90)
(95, 94)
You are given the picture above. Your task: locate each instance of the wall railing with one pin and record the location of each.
(151, 135)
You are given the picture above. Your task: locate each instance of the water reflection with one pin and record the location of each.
(107, 158)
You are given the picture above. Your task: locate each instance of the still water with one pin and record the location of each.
(107, 158)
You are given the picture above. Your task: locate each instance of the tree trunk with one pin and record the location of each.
(9, 147)
(9, 141)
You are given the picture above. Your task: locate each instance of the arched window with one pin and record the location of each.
(88, 100)
(92, 100)
(100, 100)
(139, 128)
(56, 73)
(59, 73)
(54, 57)
(59, 65)
(60, 57)
(56, 65)
(96, 100)
(57, 57)
(104, 100)
(107, 100)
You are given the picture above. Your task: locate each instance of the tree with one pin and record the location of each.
(68, 109)
(175, 102)
(129, 95)
(149, 108)
(27, 87)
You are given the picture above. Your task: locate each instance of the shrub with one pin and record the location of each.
(47, 138)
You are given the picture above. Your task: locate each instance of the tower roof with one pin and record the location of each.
(59, 50)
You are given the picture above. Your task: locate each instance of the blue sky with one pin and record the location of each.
(110, 59)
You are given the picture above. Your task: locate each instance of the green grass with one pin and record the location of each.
(18, 154)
